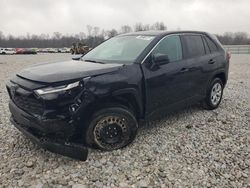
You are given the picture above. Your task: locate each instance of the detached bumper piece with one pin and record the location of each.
(72, 150)
(24, 122)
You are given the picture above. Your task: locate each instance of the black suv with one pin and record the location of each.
(98, 99)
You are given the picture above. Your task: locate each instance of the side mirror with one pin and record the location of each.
(160, 59)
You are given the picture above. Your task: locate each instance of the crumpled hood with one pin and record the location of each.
(68, 70)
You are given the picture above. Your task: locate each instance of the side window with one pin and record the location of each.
(206, 46)
(211, 44)
(193, 46)
(171, 46)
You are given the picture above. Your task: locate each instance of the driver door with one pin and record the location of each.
(167, 85)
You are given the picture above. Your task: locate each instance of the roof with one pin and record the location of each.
(159, 33)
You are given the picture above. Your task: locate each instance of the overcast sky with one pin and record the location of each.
(19, 17)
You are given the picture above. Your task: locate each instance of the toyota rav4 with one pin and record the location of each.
(98, 100)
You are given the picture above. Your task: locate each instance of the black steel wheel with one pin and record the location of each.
(111, 128)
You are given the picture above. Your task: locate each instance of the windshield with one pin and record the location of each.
(123, 49)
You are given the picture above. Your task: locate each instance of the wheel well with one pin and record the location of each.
(222, 76)
(130, 102)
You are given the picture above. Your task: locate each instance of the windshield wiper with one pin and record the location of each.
(93, 61)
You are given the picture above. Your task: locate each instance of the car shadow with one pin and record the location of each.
(177, 114)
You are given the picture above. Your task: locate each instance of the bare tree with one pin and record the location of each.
(126, 29)
(159, 26)
(111, 33)
(44, 36)
(82, 35)
(96, 31)
(1, 35)
(229, 38)
(89, 28)
(138, 27)
(57, 35)
(96, 36)
(141, 27)
(240, 37)
(27, 35)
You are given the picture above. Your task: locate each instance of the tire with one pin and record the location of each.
(111, 128)
(214, 94)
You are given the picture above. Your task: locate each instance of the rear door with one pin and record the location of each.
(215, 60)
(196, 61)
(216, 55)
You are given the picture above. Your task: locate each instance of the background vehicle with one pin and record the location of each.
(42, 50)
(7, 51)
(26, 51)
(99, 100)
(51, 50)
(63, 50)
(20, 50)
(79, 48)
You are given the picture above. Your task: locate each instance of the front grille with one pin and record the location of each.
(28, 103)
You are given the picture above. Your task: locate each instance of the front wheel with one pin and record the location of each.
(214, 94)
(111, 128)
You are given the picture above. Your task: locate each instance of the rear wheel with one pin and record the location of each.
(214, 94)
(111, 128)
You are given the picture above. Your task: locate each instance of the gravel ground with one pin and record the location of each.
(192, 148)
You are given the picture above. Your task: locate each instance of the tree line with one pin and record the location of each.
(237, 38)
(96, 35)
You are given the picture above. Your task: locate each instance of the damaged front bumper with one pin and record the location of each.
(26, 124)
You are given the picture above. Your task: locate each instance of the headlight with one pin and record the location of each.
(56, 89)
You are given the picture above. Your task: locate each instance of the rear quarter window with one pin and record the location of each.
(211, 44)
(193, 46)
(206, 45)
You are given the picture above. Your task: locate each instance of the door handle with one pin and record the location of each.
(211, 61)
(184, 70)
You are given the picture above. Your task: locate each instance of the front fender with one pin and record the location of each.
(132, 92)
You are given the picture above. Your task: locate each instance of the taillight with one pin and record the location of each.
(228, 55)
